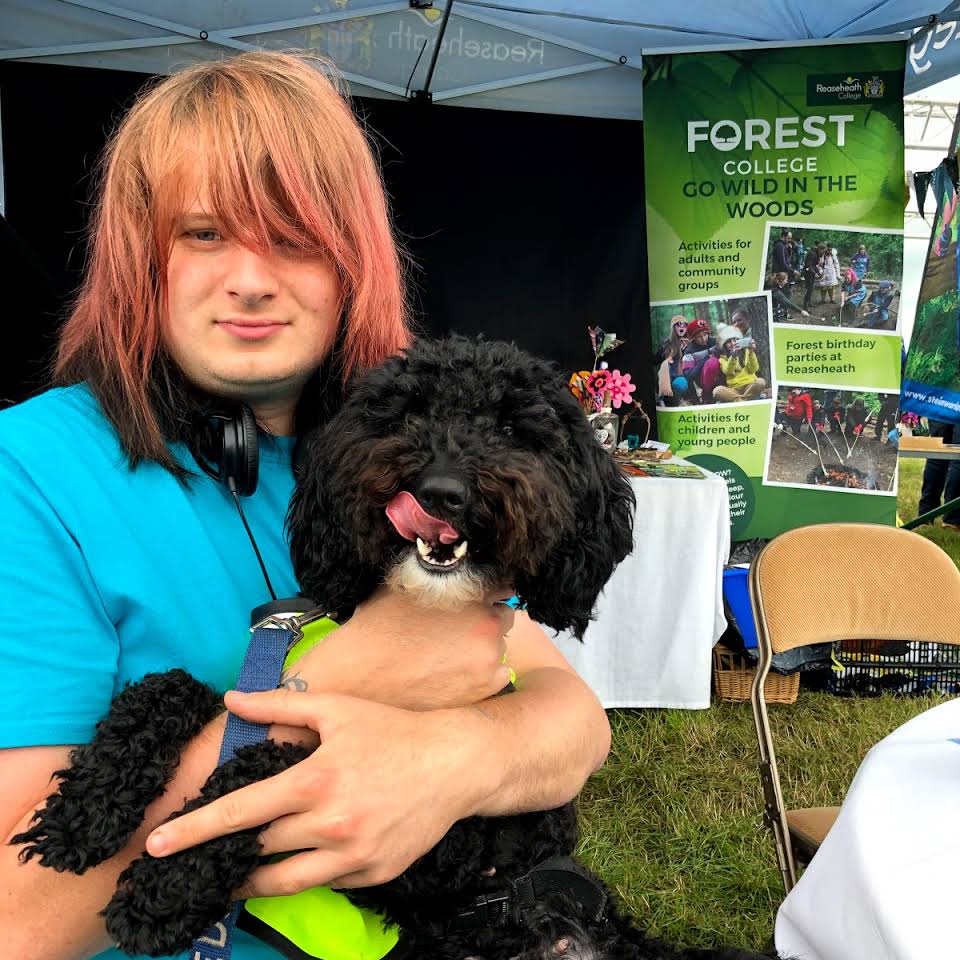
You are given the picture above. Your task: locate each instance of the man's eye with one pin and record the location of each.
(208, 235)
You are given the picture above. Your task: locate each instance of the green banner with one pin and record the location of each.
(931, 385)
(775, 194)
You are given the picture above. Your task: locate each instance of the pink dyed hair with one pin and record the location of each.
(283, 157)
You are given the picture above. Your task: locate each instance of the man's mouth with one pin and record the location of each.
(249, 329)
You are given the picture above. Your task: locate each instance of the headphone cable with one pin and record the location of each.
(246, 526)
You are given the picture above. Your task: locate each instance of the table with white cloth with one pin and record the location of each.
(883, 886)
(662, 610)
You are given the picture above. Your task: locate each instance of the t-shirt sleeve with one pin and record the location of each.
(58, 647)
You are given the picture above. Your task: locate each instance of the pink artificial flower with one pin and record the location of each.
(621, 388)
(598, 382)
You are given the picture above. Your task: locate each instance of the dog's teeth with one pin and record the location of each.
(460, 551)
(423, 549)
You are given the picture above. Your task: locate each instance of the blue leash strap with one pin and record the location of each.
(261, 670)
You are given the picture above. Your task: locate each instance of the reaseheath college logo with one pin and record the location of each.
(851, 88)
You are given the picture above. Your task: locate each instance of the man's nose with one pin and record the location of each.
(250, 277)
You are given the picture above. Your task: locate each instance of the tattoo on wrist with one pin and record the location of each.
(293, 681)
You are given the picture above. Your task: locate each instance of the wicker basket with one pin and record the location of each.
(733, 677)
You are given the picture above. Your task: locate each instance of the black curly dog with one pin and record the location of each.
(480, 448)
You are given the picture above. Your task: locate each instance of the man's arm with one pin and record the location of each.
(552, 732)
(45, 915)
(386, 784)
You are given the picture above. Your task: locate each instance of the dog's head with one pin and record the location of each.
(459, 466)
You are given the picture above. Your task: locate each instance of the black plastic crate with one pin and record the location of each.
(907, 667)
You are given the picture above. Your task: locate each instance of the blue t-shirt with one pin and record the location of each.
(107, 574)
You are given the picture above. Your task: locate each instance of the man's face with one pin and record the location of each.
(241, 324)
(701, 338)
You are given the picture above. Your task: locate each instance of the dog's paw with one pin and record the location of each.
(111, 781)
(162, 904)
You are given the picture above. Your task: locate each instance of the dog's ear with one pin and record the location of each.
(565, 590)
(326, 562)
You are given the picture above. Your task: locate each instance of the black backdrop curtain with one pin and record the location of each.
(523, 226)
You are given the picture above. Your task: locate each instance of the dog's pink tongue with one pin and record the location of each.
(412, 521)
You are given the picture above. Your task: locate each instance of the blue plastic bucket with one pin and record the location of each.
(736, 592)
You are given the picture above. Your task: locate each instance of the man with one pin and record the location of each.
(941, 478)
(780, 300)
(783, 254)
(240, 251)
(887, 414)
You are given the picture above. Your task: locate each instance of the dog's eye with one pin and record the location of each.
(507, 430)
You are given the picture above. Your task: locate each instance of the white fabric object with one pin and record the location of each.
(662, 610)
(883, 884)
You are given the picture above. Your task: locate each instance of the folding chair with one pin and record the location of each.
(862, 607)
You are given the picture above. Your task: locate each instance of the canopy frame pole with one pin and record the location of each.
(614, 58)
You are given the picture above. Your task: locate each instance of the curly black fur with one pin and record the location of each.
(549, 510)
(162, 904)
(99, 805)
(545, 508)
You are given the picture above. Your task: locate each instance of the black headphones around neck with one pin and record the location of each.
(227, 447)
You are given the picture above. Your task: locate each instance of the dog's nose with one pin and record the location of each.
(442, 492)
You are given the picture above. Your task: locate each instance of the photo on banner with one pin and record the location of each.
(833, 440)
(777, 169)
(712, 351)
(836, 276)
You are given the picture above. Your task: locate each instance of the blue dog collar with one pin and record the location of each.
(514, 603)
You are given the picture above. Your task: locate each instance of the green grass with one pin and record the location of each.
(908, 496)
(673, 820)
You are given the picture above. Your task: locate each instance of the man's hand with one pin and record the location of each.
(393, 651)
(369, 801)
(858, 428)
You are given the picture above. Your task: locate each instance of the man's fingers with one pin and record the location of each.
(247, 807)
(292, 707)
(299, 831)
(312, 868)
